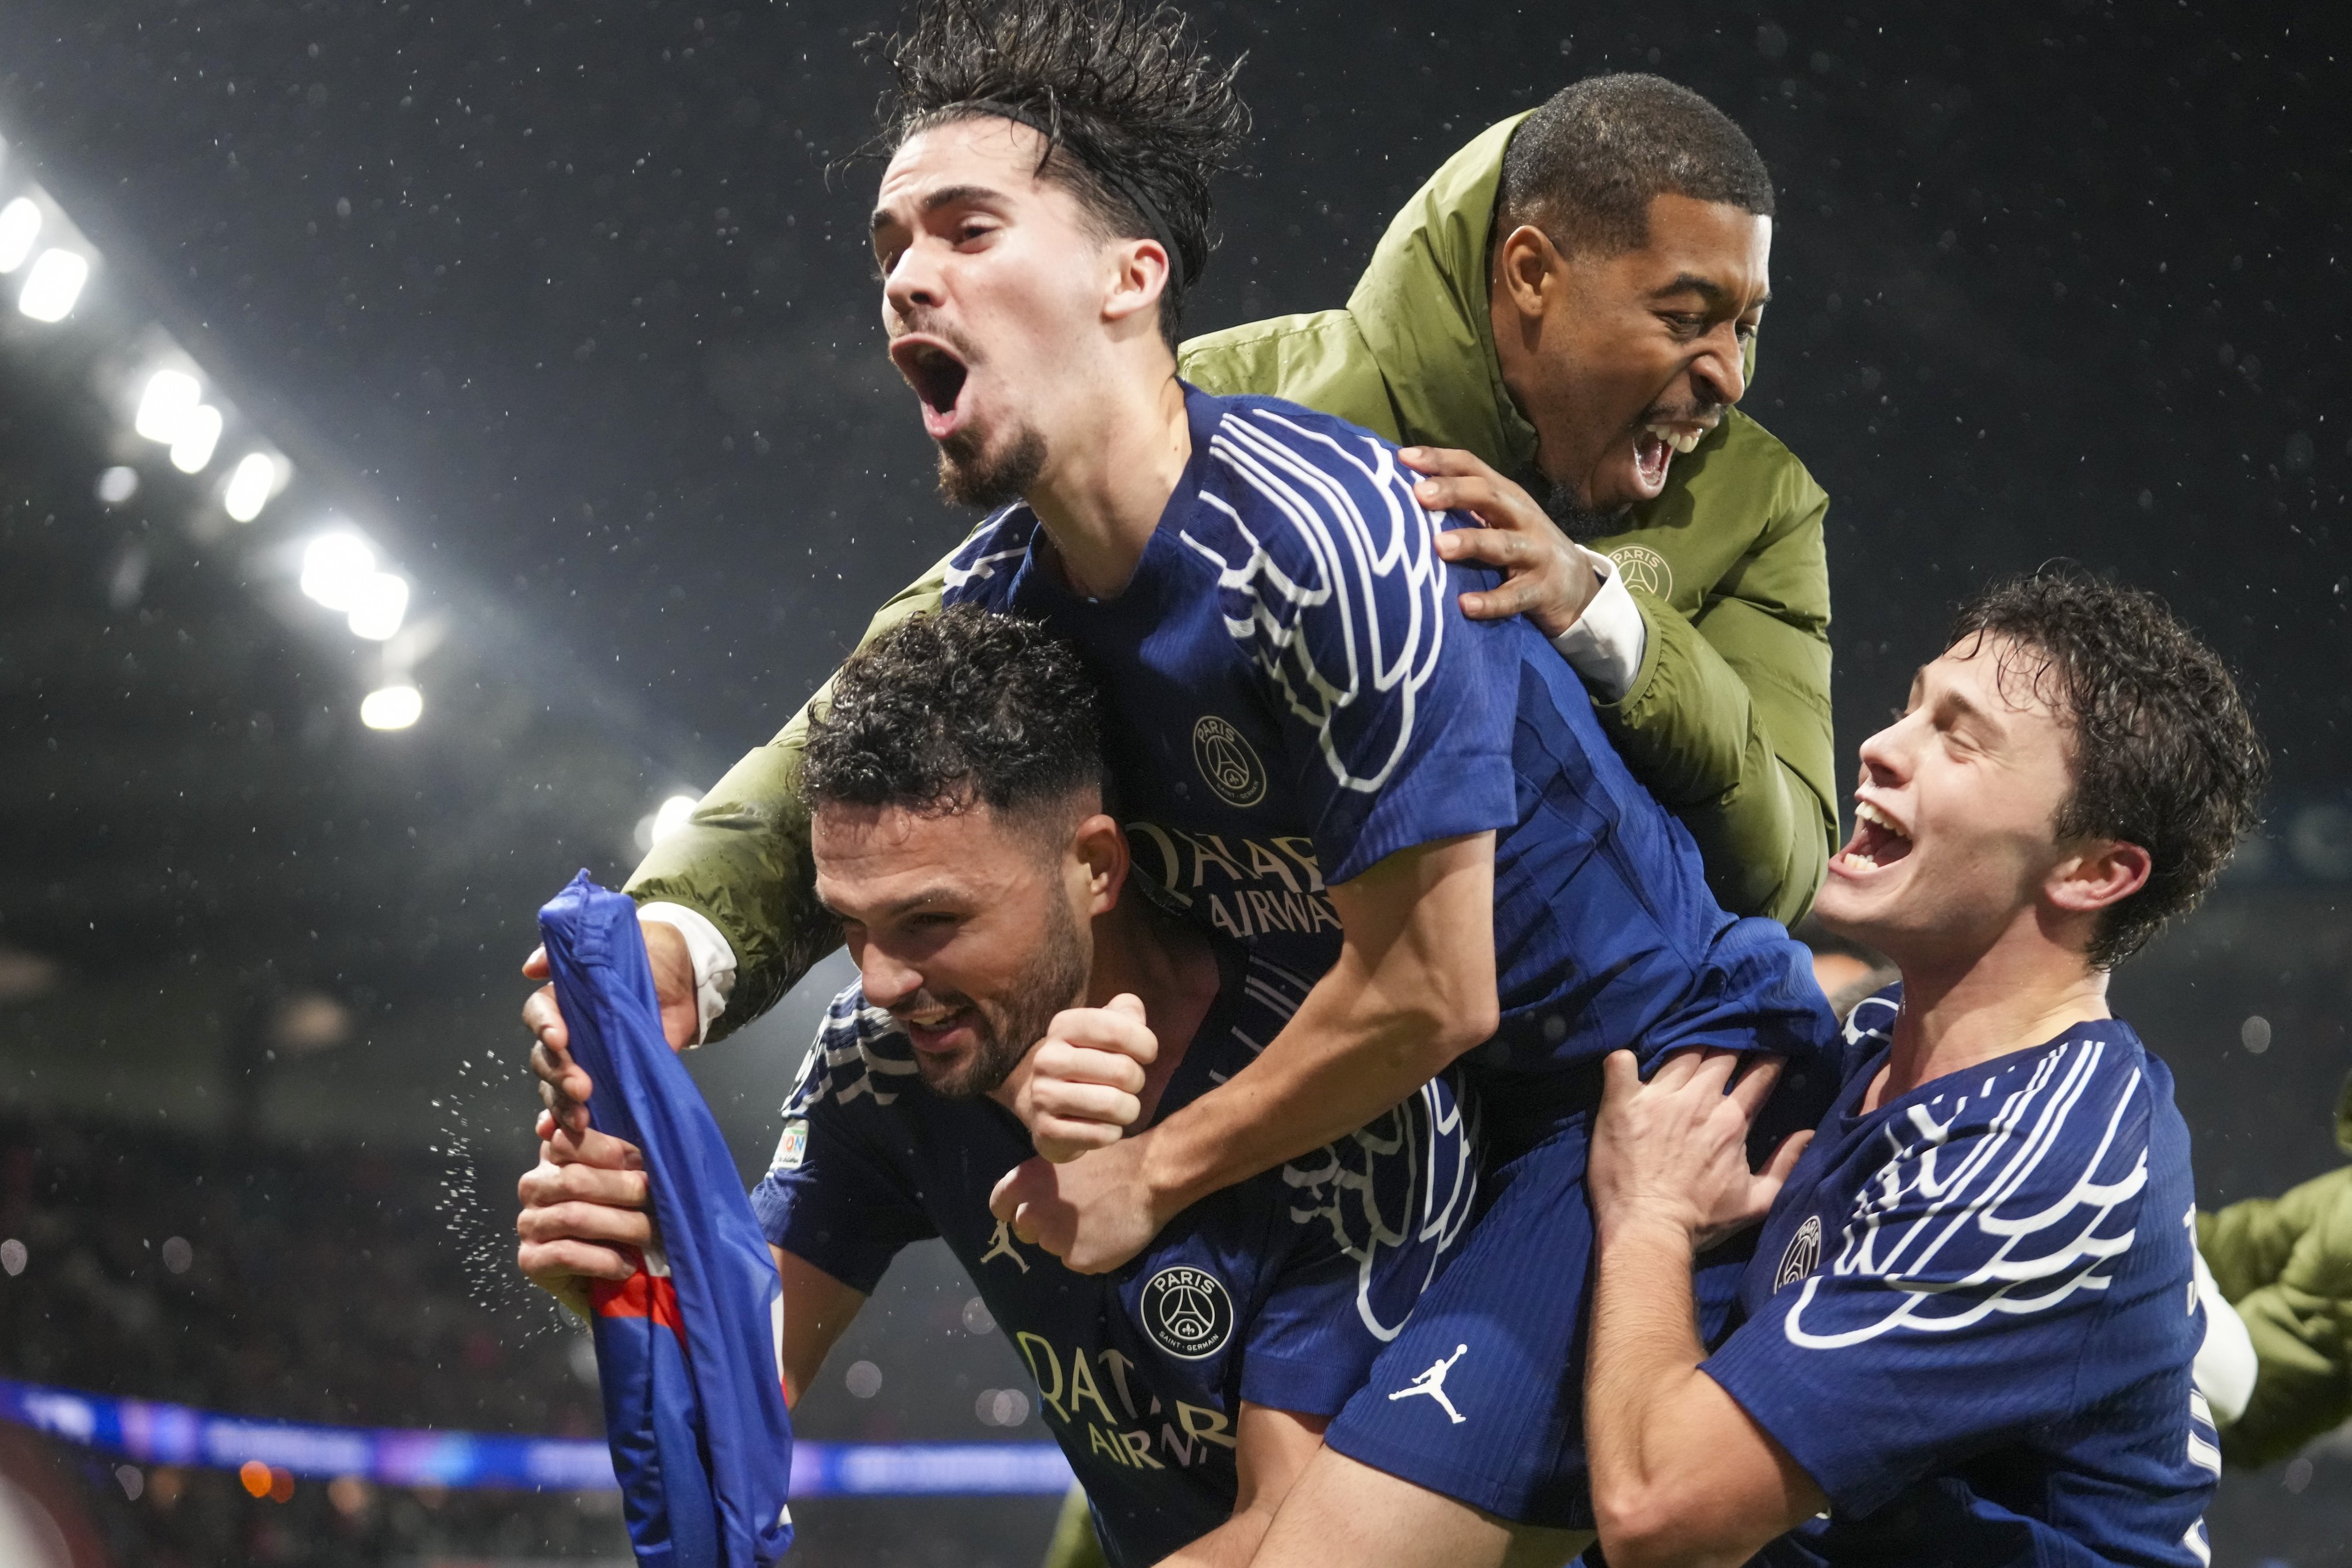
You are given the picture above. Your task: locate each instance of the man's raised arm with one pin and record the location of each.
(1413, 989)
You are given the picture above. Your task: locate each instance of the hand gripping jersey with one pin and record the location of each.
(1294, 694)
(1972, 1314)
(688, 1348)
(1280, 1290)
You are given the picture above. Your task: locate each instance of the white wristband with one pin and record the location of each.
(713, 959)
(1606, 644)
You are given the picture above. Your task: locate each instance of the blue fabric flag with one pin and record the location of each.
(688, 1349)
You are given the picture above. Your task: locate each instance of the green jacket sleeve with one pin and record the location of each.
(1727, 721)
(2285, 1264)
(742, 860)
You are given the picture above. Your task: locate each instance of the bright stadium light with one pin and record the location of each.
(335, 569)
(53, 285)
(673, 814)
(391, 708)
(171, 399)
(251, 486)
(20, 225)
(192, 453)
(378, 605)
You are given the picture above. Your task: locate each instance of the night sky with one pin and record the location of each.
(573, 289)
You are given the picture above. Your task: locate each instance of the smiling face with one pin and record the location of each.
(1955, 817)
(970, 931)
(1002, 296)
(1622, 360)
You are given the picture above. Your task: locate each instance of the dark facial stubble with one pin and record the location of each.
(971, 475)
(1055, 979)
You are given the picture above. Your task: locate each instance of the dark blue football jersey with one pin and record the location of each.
(1972, 1314)
(1280, 1290)
(1294, 694)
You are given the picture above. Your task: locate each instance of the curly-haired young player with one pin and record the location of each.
(1971, 1316)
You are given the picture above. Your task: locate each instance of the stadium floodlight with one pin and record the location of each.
(191, 452)
(378, 605)
(391, 708)
(673, 814)
(53, 285)
(251, 486)
(336, 567)
(170, 400)
(20, 225)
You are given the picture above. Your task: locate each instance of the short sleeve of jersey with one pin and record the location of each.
(1966, 1299)
(1368, 1218)
(1397, 711)
(827, 1198)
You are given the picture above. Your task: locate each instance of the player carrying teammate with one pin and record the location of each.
(957, 791)
(1970, 1319)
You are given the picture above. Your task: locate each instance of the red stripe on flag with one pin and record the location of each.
(639, 1296)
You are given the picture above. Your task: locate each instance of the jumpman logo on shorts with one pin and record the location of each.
(1432, 1383)
(1000, 1246)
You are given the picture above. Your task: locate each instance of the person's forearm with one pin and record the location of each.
(1348, 1054)
(1231, 1545)
(1413, 989)
(1644, 1348)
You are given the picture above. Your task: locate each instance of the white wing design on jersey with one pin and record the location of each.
(2034, 1205)
(1359, 561)
(858, 1050)
(1410, 1178)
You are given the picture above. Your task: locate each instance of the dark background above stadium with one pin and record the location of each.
(570, 283)
(561, 302)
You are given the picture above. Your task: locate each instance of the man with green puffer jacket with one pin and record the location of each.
(2285, 1264)
(1569, 302)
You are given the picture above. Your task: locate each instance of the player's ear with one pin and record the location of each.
(1139, 277)
(1100, 847)
(2101, 872)
(1529, 270)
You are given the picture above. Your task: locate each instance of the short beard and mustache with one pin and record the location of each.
(971, 475)
(1055, 980)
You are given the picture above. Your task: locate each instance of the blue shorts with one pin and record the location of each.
(1481, 1396)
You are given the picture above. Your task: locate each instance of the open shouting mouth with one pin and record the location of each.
(938, 374)
(1655, 446)
(1878, 841)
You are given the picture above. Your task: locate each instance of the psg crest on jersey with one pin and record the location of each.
(1804, 1253)
(1228, 762)
(1187, 1312)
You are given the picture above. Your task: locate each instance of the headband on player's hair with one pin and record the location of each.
(1160, 229)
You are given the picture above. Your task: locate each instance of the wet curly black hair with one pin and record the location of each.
(1136, 117)
(956, 708)
(2163, 752)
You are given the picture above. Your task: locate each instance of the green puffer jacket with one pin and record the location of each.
(1727, 721)
(2285, 1264)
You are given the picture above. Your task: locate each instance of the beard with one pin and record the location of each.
(1578, 521)
(969, 475)
(1016, 1021)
